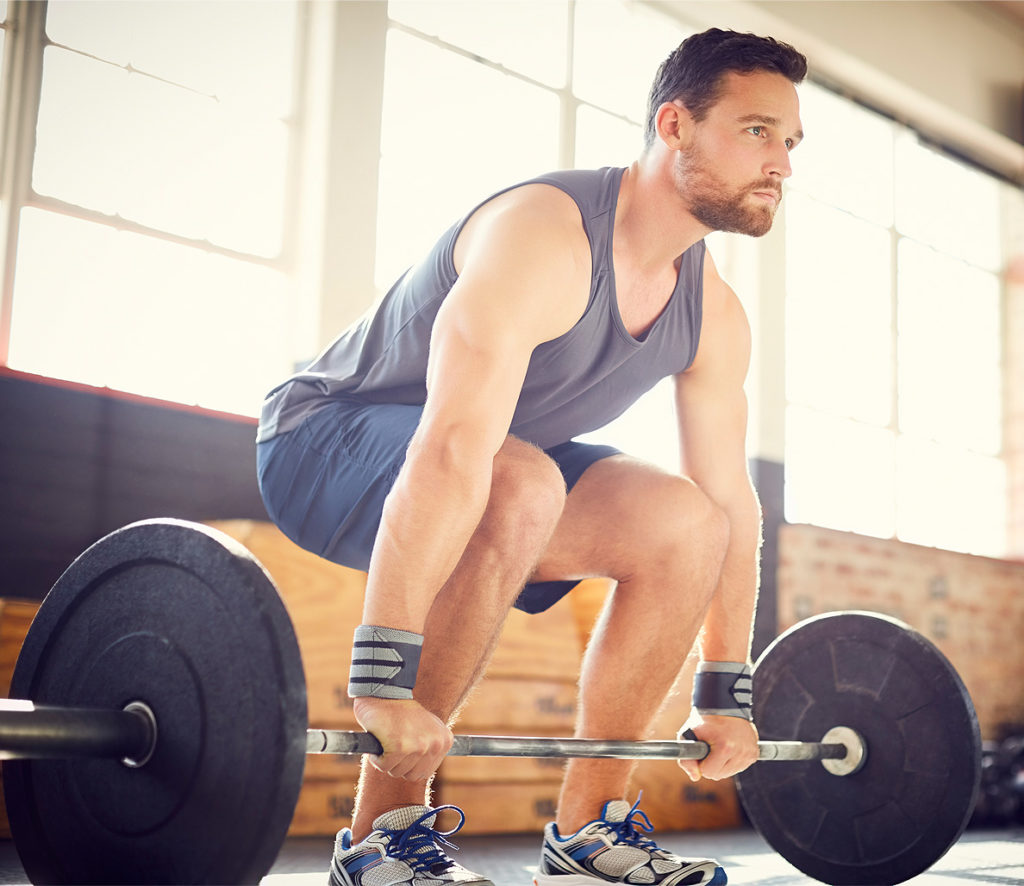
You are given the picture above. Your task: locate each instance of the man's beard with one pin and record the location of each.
(714, 205)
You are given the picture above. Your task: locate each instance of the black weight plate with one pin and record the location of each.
(182, 618)
(914, 795)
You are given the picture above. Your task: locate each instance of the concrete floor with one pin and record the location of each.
(982, 857)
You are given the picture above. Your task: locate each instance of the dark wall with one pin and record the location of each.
(78, 462)
(768, 477)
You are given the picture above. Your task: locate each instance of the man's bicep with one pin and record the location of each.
(711, 402)
(520, 285)
(475, 372)
(712, 434)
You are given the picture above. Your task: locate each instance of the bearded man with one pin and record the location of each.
(432, 445)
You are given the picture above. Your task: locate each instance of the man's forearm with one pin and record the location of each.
(726, 635)
(429, 517)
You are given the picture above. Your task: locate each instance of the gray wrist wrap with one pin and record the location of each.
(723, 688)
(384, 662)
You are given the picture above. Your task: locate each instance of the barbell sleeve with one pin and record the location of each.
(29, 731)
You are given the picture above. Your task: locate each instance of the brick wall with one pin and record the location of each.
(972, 608)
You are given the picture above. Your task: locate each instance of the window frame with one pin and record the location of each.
(26, 42)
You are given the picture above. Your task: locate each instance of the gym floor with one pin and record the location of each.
(979, 857)
(984, 857)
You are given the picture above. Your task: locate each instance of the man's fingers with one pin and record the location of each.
(691, 768)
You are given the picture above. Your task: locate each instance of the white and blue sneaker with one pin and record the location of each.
(612, 849)
(404, 849)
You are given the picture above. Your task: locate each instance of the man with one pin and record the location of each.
(432, 445)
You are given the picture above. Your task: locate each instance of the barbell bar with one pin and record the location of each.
(28, 731)
(840, 745)
(167, 729)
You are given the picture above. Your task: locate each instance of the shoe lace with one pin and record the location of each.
(417, 845)
(628, 830)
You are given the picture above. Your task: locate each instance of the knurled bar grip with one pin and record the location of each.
(333, 741)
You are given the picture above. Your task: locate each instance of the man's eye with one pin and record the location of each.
(756, 130)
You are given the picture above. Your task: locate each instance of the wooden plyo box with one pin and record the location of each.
(15, 618)
(327, 798)
(502, 807)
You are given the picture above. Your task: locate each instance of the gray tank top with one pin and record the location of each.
(575, 383)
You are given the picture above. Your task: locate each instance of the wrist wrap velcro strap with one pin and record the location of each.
(723, 688)
(384, 662)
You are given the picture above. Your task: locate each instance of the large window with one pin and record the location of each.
(152, 215)
(893, 335)
(476, 101)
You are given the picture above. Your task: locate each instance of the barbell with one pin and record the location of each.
(157, 728)
(32, 732)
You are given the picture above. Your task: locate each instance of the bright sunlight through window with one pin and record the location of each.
(149, 250)
(893, 337)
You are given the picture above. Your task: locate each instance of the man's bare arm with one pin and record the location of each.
(712, 410)
(522, 281)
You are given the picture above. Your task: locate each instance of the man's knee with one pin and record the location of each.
(684, 524)
(527, 492)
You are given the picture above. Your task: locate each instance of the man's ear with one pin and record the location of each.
(674, 125)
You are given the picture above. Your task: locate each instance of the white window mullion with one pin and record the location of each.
(21, 81)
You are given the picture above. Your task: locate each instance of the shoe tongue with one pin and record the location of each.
(616, 810)
(402, 818)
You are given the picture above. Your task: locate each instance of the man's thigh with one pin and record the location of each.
(575, 460)
(619, 507)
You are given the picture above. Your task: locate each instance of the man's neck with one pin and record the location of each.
(651, 221)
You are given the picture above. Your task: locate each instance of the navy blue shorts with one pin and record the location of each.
(324, 483)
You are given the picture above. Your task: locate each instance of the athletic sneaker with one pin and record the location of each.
(611, 849)
(403, 848)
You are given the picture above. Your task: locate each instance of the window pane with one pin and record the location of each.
(437, 160)
(838, 312)
(158, 154)
(846, 159)
(528, 36)
(237, 51)
(605, 140)
(617, 51)
(951, 499)
(142, 315)
(949, 350)
(946, 204)
(839, 474)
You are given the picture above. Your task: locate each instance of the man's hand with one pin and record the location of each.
(414, 740)
(733, 742)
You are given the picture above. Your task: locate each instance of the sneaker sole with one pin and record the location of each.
(718, 879)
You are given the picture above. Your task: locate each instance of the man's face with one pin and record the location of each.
(730, 175)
